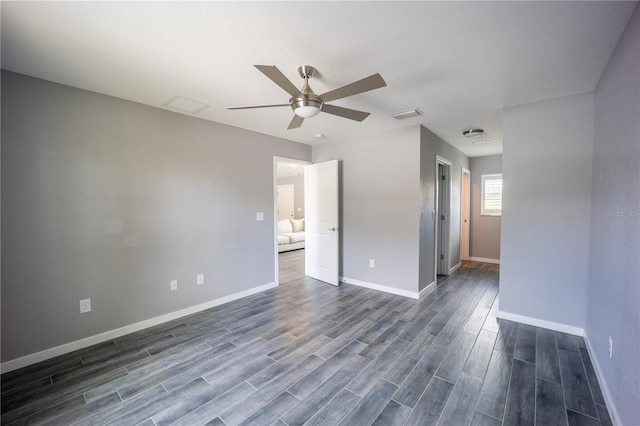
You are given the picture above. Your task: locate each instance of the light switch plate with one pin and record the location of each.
(200, 279)
(260, 216)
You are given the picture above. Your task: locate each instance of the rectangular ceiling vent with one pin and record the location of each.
(408, 113)
(185, 105)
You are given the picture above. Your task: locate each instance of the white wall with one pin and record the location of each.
(380, 195)
(613, 297)
(546, 163)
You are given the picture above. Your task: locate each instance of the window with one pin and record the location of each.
(491, 195)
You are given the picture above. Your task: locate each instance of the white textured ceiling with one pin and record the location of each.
(461, 63)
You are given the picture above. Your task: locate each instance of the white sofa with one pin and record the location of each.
(290, 234)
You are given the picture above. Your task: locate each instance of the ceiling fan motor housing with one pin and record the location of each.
(306, 106)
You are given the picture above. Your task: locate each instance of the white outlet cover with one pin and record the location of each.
(200, 279)
(260, 216)
(174, 285)
(85, 306)
(372, 263)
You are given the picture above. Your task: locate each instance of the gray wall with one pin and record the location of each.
(484, 241)
(546, 164)
(108, 199)
(613, 297)
(430, 146)
(298, 193)
(380, 195)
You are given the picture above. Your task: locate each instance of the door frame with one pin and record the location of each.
(465, 196)
(276, 160)
(447, 212)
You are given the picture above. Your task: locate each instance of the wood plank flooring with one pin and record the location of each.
(310, 353)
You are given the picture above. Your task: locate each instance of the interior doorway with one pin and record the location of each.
(465, 214)
(289, 210)
(314, 231)
(442, 215)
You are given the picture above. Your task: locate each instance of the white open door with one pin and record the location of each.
(321, 221)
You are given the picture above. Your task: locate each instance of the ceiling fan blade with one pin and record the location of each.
(349, 113)
(278, 78)
(295, 122)
(369, 83)
(257, 106)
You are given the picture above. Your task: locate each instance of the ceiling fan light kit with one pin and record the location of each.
(307, 111)
(306, 104)
(306, 108)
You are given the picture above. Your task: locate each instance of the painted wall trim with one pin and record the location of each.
(380, 287)
(455, 268)
(613, 412)
(550, 325)
(428, 289)
(484, 260)
(26, 360)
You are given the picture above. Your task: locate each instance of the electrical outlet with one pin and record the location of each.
(372, 263)
(85, 306)
(259, 216)
(174, 285)
(200, 279)
(610, 347)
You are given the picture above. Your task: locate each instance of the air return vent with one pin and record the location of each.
(185, 105)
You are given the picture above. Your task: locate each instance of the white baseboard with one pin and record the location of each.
(24, 361)
(485, 260)
(615, 418)
(613, 413)
(428, 289)
(455, 268)
(380, 287)
(550, 325)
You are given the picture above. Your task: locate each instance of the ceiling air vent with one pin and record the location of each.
(408, 113)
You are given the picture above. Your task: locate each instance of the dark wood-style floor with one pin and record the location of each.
(311, 353)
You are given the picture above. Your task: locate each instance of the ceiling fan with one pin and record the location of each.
(306, 104)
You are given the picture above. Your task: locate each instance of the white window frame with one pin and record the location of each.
(490, 212)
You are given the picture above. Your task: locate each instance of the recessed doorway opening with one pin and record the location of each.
(314, 223)
(289, 214)
(442, 215)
